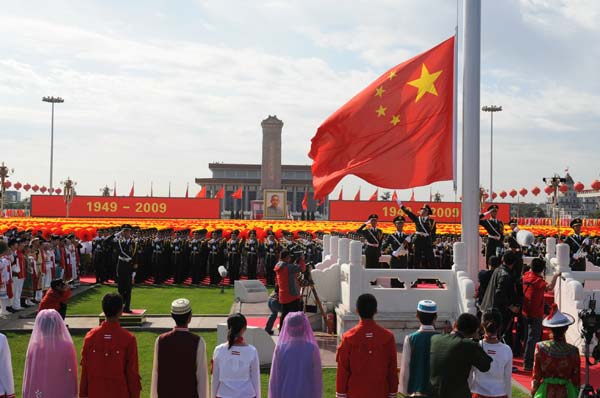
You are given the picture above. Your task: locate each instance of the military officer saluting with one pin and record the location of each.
(495, 232)
(424, 236)
(373, 237)
(578, 246)
(126, 250)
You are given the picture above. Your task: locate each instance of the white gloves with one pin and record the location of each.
(408, 238)
(586, 241)
(399, 202)
(487, 213)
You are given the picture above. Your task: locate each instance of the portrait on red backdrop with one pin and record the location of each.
(275, 204)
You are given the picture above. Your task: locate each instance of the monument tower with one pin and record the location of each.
(270, 176)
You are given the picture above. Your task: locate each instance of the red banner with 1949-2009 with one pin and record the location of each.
(446, 212)
(124, 207)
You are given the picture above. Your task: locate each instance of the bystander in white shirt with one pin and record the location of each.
(236, 372)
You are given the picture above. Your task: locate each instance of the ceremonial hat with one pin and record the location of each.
(252, 232)
(492, 207)
(375, 216)
(125, 226)
(576, 221)
(399, 219)
(513, 221)
(235, 232)
(181, 306)
(557, 319)
(428, 306)
(427, 208)
(270, 232)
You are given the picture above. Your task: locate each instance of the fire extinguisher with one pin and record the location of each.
(330, 323)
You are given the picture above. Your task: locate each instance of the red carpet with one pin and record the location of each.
(259, 322)
(91, 279)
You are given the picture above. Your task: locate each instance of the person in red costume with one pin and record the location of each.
(366, 357)
(109, 358)
(56, 298)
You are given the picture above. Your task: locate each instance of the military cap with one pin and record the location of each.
(576, 221)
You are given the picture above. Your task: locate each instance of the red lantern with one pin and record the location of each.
(513, 193)
(27, 187)
(486, 195)
(494, 195)
(35, 188)
(58, 191)
(549, 190)
(7, 184)
(18, 185)
(596, 185)
(43, 189)
(523, 191)
(563, 188)
(578, 187)
(535, 191)
(503, 194)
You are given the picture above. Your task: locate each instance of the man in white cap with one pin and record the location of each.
(556, 364)
(414, 368)
(179, 368)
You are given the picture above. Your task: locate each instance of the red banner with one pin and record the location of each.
(446, 212)
(124, 207)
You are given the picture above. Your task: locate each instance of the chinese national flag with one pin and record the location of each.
(395, 197)
(357, 196)
(220, 193)
(402, 118)
(305, 201)
(132, 191)
(201, 193)
(238, 194)
(341, 195)
(374, 196)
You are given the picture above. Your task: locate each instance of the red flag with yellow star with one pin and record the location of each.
(397, 132)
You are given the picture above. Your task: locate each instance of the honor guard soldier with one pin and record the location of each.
(157, 258)
(196, 247)
(234, 256)
(578, 246)
(495, 232)
(309, 249)
(397, 245)
(514, 245)
(177, 257)
(424, 236)
(373, 237)
(98, 256)
(126, 248)
(215, 256)
(271, 248)
(251, 254)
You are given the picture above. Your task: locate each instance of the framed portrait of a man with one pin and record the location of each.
(275, 201)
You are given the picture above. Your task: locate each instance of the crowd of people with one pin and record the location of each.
(470, 361)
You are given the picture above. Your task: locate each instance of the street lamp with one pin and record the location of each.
(555, 182)
(4, 171)
(52, 100)
(491, 109)
(69, 192)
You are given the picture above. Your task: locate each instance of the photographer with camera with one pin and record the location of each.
(57, 297)
(289, 288)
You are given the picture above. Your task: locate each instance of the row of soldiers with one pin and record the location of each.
(165, 254)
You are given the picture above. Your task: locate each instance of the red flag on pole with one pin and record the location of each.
(395, 196)
(404, 116)
(412, 196)
(201, 193)
(132, 191)
(305, 201)
(357, 196)
(187, 191)
(374, 195)
(238, 194)
(220, 193)
(341, 195)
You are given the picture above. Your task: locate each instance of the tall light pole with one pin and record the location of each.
(52, 100)
(4, 174)
(492, 109)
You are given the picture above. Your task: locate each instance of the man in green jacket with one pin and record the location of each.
(452, 356)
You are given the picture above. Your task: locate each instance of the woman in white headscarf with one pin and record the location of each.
(51, 363)
(296, 366)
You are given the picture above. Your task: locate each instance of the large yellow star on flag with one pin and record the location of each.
(425, 83)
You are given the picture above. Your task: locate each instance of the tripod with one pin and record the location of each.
(308, 289)
(587, 390)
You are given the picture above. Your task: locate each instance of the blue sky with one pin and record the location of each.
(154, 90)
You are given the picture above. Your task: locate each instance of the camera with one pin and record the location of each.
(590, 324)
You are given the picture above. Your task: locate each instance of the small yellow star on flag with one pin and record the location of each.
(379, 91)
(425, 83)
(395, 120)
(392, 74)
(381, 110)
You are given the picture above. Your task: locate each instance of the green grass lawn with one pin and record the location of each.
(18, 345)
(156, 299)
